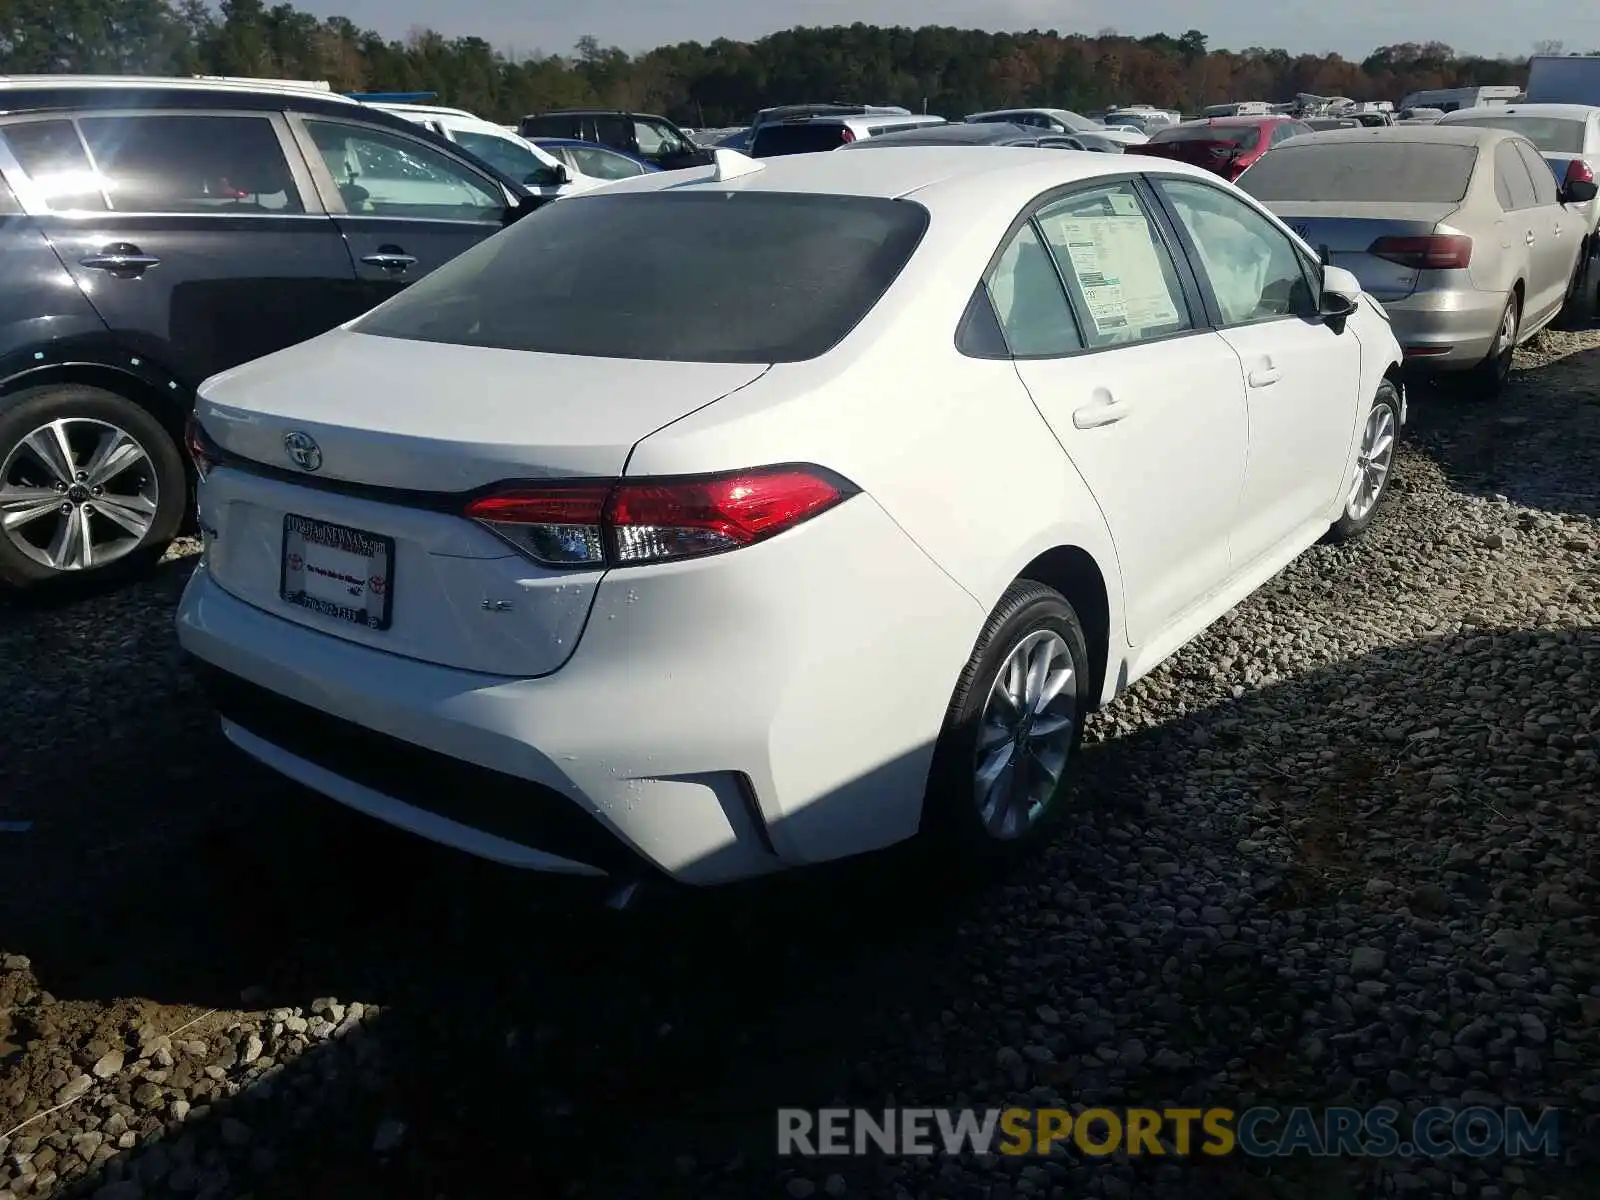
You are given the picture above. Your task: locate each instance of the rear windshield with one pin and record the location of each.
(1376, 172)
(1553, 135)
(804, 138)
(710, 277)
(1243, 136)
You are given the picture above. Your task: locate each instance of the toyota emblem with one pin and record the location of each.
(303, 450)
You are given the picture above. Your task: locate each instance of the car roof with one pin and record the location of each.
(42, 93)
(958, 133)
(197, 83)
(1444, 135)
(592, 112)
(436, 110)
(936, 174)
(1572, 112)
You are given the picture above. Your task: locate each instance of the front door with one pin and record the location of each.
(1301, 377)
(404, 206)
(1147, 403)
(191, 234)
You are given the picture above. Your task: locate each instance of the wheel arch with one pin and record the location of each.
(1075, 573)
(169, 404)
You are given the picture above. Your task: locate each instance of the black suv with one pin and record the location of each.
(155, 232)
(654, 139)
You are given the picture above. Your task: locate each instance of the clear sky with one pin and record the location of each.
(1351, 27)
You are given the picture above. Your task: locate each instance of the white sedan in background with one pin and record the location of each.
(816, 519)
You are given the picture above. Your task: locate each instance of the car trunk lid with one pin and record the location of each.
(343, 469)
(1349, 235)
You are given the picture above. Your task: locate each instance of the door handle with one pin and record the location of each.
(120, 258)
(1530, 239)
(390, 258)
(1104, 412)
(1265, 376)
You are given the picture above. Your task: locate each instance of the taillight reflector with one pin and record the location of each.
(846, 134)
(631, 522)
(1437, 252)
(1578, 172)
(202, 450)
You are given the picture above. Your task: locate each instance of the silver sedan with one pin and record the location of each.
(1461, 233)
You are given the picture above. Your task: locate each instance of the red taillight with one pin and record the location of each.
(846, 134)
(1440, 252)
(1578, 172)
(630, 522)
(202, 450)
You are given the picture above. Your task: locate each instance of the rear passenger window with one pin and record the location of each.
(1544, 182)
(57, 165)
(191, 164)
(1519, 184)
(1122, 282)
(1028, 299)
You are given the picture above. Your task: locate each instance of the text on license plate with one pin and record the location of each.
(337, 571)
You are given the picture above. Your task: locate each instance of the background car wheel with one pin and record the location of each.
(1374, 466)
(1012, 731)
(1489, 378)
(90, 485)
(1578, 311)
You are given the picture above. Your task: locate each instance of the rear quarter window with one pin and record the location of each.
(1363, 172)
(709, 277)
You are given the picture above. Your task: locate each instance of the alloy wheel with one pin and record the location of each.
(1025, 735)
(1373, 460)
(77, 493)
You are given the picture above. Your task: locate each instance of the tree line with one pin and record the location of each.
(937, 68)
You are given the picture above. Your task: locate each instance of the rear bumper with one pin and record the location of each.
(1446, 330)
(721, 718)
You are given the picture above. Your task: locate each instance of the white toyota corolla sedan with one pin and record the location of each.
(735, 519)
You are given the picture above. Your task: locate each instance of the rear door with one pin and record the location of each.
(666, 147)
(196, 235)
(1555, 254)
(404, 206)
(1146, 401)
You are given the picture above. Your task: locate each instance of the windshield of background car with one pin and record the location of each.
(1553, 135)
(515, 159)
(773, 141)
(708, 277)
(1394, 172)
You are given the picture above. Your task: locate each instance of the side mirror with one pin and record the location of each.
(1578, 191)
(1341, 293)
(551, 176)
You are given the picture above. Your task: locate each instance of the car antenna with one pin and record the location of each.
(730, 164)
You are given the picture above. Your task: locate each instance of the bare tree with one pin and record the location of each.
(1549, 46)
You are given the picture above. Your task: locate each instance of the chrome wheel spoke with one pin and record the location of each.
(54, 452)
(20, 505)
(114, 454)
(71, 549)
(133, 513)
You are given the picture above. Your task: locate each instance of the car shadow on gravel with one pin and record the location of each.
(1539, 451)
(517, 1038)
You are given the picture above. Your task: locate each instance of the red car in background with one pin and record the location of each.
(1224, 145)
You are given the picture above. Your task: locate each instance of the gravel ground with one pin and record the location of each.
(1342, 848)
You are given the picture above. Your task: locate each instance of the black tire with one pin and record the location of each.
(1489, 378)
(951, 823)
(1348, 527)
(1578, 311)
(23, 412)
